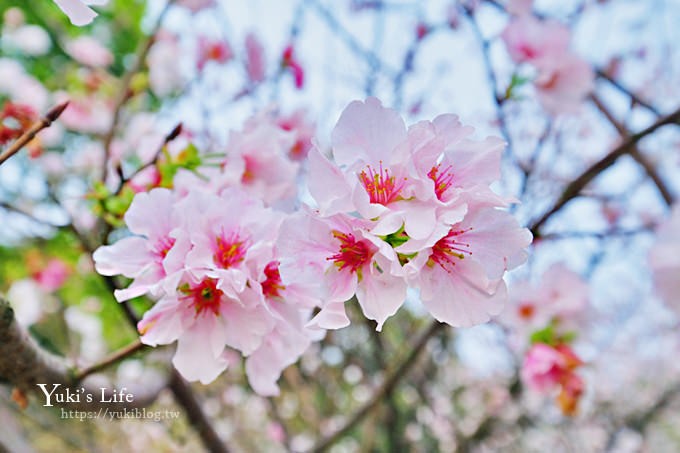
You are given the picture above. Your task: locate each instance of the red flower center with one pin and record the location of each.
(381, 187)
(442, 180)
(272, 284)
(526, 311)
(352, 254)
(204, 296)
(162, 247)
(230, 250)
(448, 249)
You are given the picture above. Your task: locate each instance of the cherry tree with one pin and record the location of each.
(339, 226)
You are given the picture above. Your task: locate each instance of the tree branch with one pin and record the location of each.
(124, 94)
(32, 131)
(635, 153)
(113, 358)
(574, 188)
(24, 365)
(385, 389)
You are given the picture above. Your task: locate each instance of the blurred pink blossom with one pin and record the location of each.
(196, 5)
(255, 61)
(89, 51)
(53, 276)
(218, 51)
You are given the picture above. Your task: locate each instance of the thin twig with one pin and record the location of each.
(32, 131)
(124, 94)
(387, 387)
(115, 357)
(186, 398)
(574, 188)
(634, 97)
(635, 152)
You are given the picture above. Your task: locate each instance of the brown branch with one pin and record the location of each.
(186, 398)
(32, 131)
(574, 188)
(385, 389)
(634, 97)
(125, 93)
(635, 152)
(112, 359)
(25, 365)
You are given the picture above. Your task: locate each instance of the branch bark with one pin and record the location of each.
(24, 365)
(30, 134)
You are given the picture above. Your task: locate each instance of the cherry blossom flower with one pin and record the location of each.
(53, 276)
(21, 87)
(547, 368)
(563, 79)
(204, 320)
(196, 5)
(78, 11)
(88, 51)
(165, 75)
(303, 129)
(664, 259)
(563, 83)
(460, 274)
(255, 62)
(424, 192)
(288, 61)
(339, 254)
(212, 50)
(31, 40)
(559, 299)
(150, 255)
(519, 7)
(529, 39)
(88, 114)
(263, 147)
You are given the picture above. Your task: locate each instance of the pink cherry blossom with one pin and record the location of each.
(165, 75)
(262, 149)
(218, 51)
(150, 255)
(560, 297)
(528, 39)
(89, 51)
(547, 369)
(30, 39)
(78, 11)
(21, 87)
(204, 320)
(664, 259)
(460, 274)
(255, 61)
(86, 114)
(196, 5)
(340, 255)
(303, 129)
(53, 276)
(289, 61)
(563, 83)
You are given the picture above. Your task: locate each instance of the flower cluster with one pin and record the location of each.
(400, 208)
(563, 79)
(404, 208)
(548, 315)
(547, 368)
(211, 263)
